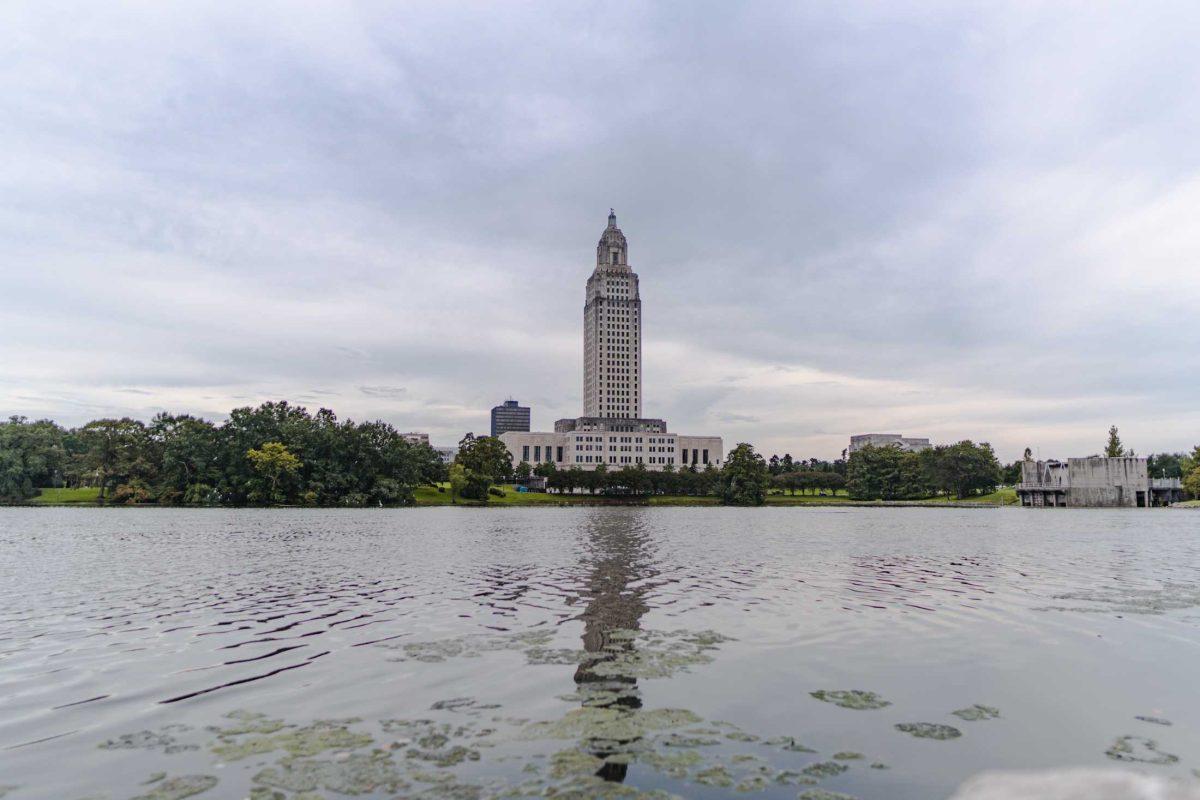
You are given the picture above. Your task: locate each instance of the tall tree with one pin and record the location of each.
(1114, 448)
(744, 479)
(486, 461)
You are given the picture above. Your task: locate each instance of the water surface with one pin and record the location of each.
(479, 653)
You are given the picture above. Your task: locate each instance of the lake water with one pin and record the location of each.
(584, 652)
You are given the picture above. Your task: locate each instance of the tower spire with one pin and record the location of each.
(612, 218)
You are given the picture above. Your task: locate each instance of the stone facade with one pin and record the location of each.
(612, 332)
(1094, 482)
(612, 430)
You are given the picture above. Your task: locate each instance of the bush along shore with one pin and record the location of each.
(278, 454)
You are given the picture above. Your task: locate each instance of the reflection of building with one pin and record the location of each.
(615, 595)
(1095, 482)
(612, 430)
(861, 440)
(509, 416)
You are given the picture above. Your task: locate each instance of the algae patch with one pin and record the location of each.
(150, 740)
(1139, 749)
(310, 740)
(976, 713)
(179, 788)
(856, 699)
(929, 730)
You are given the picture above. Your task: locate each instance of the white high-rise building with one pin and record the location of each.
(612, 430)
(612, 332)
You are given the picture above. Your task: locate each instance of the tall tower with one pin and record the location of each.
(612, 332)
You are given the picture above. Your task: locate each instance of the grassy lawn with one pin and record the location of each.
(85, 495)
(1000, 497)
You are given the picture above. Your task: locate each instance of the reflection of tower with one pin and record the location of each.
(617, 561)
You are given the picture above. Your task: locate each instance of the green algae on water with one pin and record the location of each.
(150, 740)
(824, 794)
(1139, 749)
(179, 788)
(609, 723)
(248, 722)
(355, 774)
(929, 730)
(976, 713)
(310, 740)
(824, 769)
(716, 775)
(856, 699)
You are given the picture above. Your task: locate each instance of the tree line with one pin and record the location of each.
(273, 454)
(960, 470)
(278, 454)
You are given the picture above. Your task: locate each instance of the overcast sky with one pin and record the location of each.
(951, 220)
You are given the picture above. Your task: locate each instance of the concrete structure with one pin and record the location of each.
(861, 440)
(509, 416)
(612, 430)
(1095, 482)
(415, 438)
(447, 454)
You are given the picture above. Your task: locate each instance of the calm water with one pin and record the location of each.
(465, 653)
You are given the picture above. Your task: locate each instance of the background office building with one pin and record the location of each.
(509, 416)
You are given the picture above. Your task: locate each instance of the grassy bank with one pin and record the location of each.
(87, 495)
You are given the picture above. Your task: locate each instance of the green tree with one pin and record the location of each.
(115, 454)
(744, 479)
(458, 481)
(1191, 482)
(523, 470)
(961, 469)
(1114, 448)
(273, 462)
(486, 461)
(32, 455)
(885, 473)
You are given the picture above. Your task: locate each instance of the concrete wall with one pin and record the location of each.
(1108, 482)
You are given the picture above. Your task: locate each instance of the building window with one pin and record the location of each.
(705, 456)
(525, 453)
(537, 452)
(559, 455)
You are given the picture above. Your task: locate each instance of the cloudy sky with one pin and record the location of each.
(947, 219)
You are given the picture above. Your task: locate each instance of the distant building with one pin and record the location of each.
(1095, 482)
(509, 416)
(887, 440)
(612, 430)
(447, 454)
(415, 438)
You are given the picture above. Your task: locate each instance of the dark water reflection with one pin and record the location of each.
(539, 652)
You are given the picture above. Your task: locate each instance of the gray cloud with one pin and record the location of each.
(953, 219)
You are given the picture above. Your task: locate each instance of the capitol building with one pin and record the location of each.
(612, 430)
